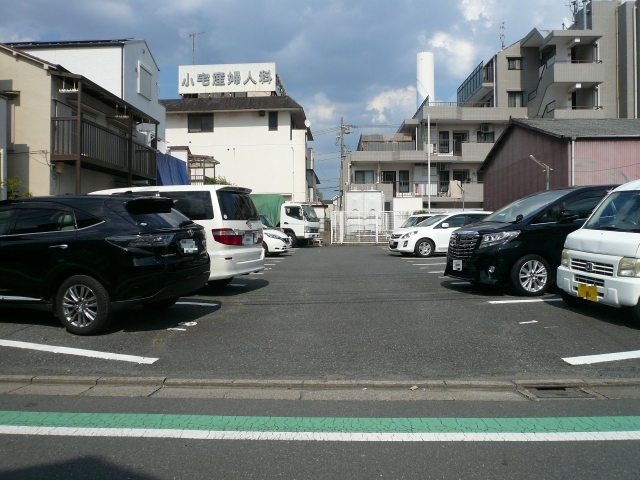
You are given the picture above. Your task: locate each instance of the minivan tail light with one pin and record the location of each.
(227, 236)
(260, 237)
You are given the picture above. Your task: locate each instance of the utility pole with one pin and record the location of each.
(193, 46)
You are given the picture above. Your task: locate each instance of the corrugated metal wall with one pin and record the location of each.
(607, 161)
(511, 174)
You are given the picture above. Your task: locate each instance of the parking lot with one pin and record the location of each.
(337, 313)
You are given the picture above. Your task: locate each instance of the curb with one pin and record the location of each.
(501, 385)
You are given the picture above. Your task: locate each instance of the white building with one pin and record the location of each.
(240, 116)
(126, 68)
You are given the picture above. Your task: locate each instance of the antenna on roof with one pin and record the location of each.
(193, 46)
(502, 34)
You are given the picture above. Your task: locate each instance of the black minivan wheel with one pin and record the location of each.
(82, 305)
(530, 276)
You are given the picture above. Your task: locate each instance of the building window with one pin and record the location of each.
(443, 146)
(515, 99)
(145, 81)
(200, 122)
(364, 176)
(273, 120)
(485, 137)
(514, 63)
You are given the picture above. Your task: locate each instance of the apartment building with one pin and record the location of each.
(239, 123)
(588, 71)
(65, 134)
(124, 67)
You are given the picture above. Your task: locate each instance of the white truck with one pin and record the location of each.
(298, 220)
(601, 260)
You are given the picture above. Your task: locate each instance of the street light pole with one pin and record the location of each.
(543, 165)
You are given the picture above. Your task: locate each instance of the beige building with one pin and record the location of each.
(46, 108)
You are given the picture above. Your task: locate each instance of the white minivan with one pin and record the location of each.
(231, 220)
(601, 260)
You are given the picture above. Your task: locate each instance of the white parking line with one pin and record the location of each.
(605, 357)
(431, 272)
(198, 304)
(78, 351)
(524, 323)
(237, 285)
(430, 263)
(529, 300)
(458, 283)
(270, 264)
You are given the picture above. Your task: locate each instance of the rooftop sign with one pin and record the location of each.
(227, 78)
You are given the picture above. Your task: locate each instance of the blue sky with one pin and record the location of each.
(354, 59)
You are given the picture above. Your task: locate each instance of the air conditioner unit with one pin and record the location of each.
(443, 167)
(485, 127)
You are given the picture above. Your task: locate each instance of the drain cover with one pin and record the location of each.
(556, 392)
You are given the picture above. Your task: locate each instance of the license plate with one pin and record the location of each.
(588, 292)
(189, 245)
(457, 265)
(248, 239)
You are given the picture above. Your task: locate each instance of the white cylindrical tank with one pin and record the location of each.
(425, 84)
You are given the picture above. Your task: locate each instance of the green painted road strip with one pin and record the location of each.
(321, 428)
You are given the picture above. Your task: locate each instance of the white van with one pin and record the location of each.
(601, 260)
(231, 220)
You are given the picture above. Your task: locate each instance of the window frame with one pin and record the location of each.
(192, 117)
(273, 121)
(516, 65)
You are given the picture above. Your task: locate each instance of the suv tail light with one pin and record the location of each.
(141, 241)
(227, 236)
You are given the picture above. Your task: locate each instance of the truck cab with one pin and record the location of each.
(300, 222)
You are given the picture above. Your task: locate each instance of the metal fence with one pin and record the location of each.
(364, 227)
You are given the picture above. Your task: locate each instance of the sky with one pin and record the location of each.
(351, 59)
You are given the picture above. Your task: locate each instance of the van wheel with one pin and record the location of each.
(530, 276)
(292, 238)
(83, 305)
(424, 248)
(161, 305)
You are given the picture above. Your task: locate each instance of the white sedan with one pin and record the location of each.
(275, 241)
(433, 234)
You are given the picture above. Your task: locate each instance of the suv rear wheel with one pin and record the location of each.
(83, 305)
(530, 276)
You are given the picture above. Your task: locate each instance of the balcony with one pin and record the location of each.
(481, 112)
(443, 190)
(102, 150)
(586, 73)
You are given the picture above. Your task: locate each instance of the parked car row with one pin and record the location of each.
(87, 256)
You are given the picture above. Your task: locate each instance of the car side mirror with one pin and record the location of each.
(567, 216)
(444, 225)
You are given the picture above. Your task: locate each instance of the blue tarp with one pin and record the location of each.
(171, 170)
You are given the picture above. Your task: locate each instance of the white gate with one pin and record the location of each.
(364, 227)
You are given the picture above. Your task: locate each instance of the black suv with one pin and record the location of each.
(87, 255)
(521, 244)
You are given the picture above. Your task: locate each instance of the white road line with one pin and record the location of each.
(529, 300)
(430, 263)
(78, 351)
(323, 436)
(178, 329)
(423, 268)
(605, 357)
(270, 264)
(458, 283)
(524, 323)
(198, 304)
(237, 285)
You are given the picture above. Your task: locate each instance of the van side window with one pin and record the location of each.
(293, 212)
(584, 203)
(194, 205)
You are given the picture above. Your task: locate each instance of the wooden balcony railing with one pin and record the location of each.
(102, 149)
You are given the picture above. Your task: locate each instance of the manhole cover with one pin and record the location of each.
(556, 392)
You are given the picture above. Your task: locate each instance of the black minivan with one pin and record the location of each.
(521, 244)
(87, 255)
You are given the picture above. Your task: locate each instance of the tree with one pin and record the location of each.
(12, 183)
(218, 181)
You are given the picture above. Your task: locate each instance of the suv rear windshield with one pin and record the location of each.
(236, 205)
(154, 213)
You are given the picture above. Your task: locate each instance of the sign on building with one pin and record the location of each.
(227, 78)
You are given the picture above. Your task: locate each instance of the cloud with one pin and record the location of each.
(395, 103)
(459, 55)
(321, 109)
(475, 10)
